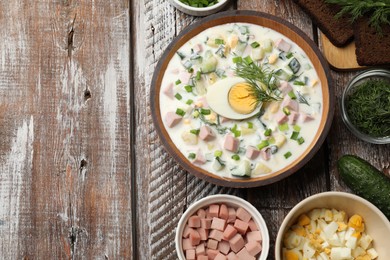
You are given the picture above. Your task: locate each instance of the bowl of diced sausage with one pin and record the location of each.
(222, 227)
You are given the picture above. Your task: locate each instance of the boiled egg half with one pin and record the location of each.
(232, 98)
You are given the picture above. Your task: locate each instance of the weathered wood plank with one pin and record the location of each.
(65, 73)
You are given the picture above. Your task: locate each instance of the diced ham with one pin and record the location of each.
(281, 117)
(206, 133)
(224, 247)
(241, 226)
(224, 119)
(199, 157)
(265, 154)
(212, 244)
(231, 143)
(252, 152)
(218, 224)
(253, 247)
(201, 213)
(172, 119)
(186, 243)
(168, 90)
(190, 254)
(237, 243)
(229, 232)
(203, 233)
(291, 104)
(186, 231)
(220, 256)
(194, 237)
(216, 234)
(292, 118)
(254, 236)
(243, 214)
(202, 102)
(223, 212)
(194, 221)
(244, 254)
(285, 87)
(205, 223)
(252, 225)
(232, 256)
(197, 48)
(212, 253)
(200, 250)
(282, 45)
(232, 215)
(202, 257)
(184, 77)
(214, 210)
(305, 117)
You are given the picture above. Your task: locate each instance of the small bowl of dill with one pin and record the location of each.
(365, 106)
(199, 7)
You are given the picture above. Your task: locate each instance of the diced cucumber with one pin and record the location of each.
(240, 48)
(210, 63)
(282, 74)
(258, 53)
(181, 55)
(242, 170)
(188, 64)
(294, 65)
(200, 87)
(196, 59)
(267, 45)
(218, 164)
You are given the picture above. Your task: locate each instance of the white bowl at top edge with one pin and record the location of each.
(376, 223)
(199, 11)
(229, 200)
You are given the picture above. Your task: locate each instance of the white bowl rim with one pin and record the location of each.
(224, 198)
(315, 196)
(200, 9)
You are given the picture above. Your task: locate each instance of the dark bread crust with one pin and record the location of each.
(372, 48)
(339, 31)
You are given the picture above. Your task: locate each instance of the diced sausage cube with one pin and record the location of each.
(201, 213)
(223, 212)
(194, 237)
(254, 236)
(214, 210)
(224, 247)
(224, 119)
(172, 119)
(212, 244)
(168, 90)
(243, 215)
(241, 226)
(252, 225)
(206, 133)
(220, 256)
(205, 223)
(200, 250)
(292, 118)
(184, 77)
(252, 152)
(218, 224)
(232, 215)
(199, 157)
(216, 234)
(194, 221)
(190, 254)
(203, 233)
(231, 143)
(282, 45)
(186, 231)
(291, 104)
(229, 232)
(186, 243)
(253, 247)
(281, 117)
(305, 117)
(232, 256)
(265, 153)
(197, 48)
(244, 254)
(237, 243)
(285, 87)
(202, 257)
(212, 253)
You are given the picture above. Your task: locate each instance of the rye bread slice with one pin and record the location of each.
(339, 31)
(372, 48)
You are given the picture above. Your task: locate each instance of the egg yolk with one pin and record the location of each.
(241, 99)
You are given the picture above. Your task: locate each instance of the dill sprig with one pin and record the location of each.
(379, 11)
(262, 80)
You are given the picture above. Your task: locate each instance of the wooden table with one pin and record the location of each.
(83, 174)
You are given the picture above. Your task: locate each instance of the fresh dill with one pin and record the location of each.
(379, 11)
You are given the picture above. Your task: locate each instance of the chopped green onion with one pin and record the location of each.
(248, 59)
(292, 95)
(268, 132)
(255, 44)
(283, 127)
(190, 70)
(235, 157)
(300, 140)
(297, 128)
(177, 82)
(287, 155)
(198, 75)
(178, 96)
(195, 114)
(205, 111)
(219, 41)
(299, 83)
(189, 101)
(180, 112)
(250, 125)
(237, 59)
(195, 131)
(234, 130)
(188, 88)
(191, 156)
(263, 144)
(289, 55)
(271, 140)
(286, 111)
(294, 135)
(218, 153)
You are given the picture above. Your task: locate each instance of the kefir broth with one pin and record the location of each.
(185, 69)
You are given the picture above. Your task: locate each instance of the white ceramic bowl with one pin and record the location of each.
(231, 201)
(376, 224)
(199, 11)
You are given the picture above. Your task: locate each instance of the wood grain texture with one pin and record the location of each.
(65, 179)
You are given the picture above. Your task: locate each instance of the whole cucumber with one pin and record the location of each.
(366, 181)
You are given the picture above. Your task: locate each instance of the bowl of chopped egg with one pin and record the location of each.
(333, 225)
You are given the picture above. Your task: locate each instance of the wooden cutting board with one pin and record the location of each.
(340, 58)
